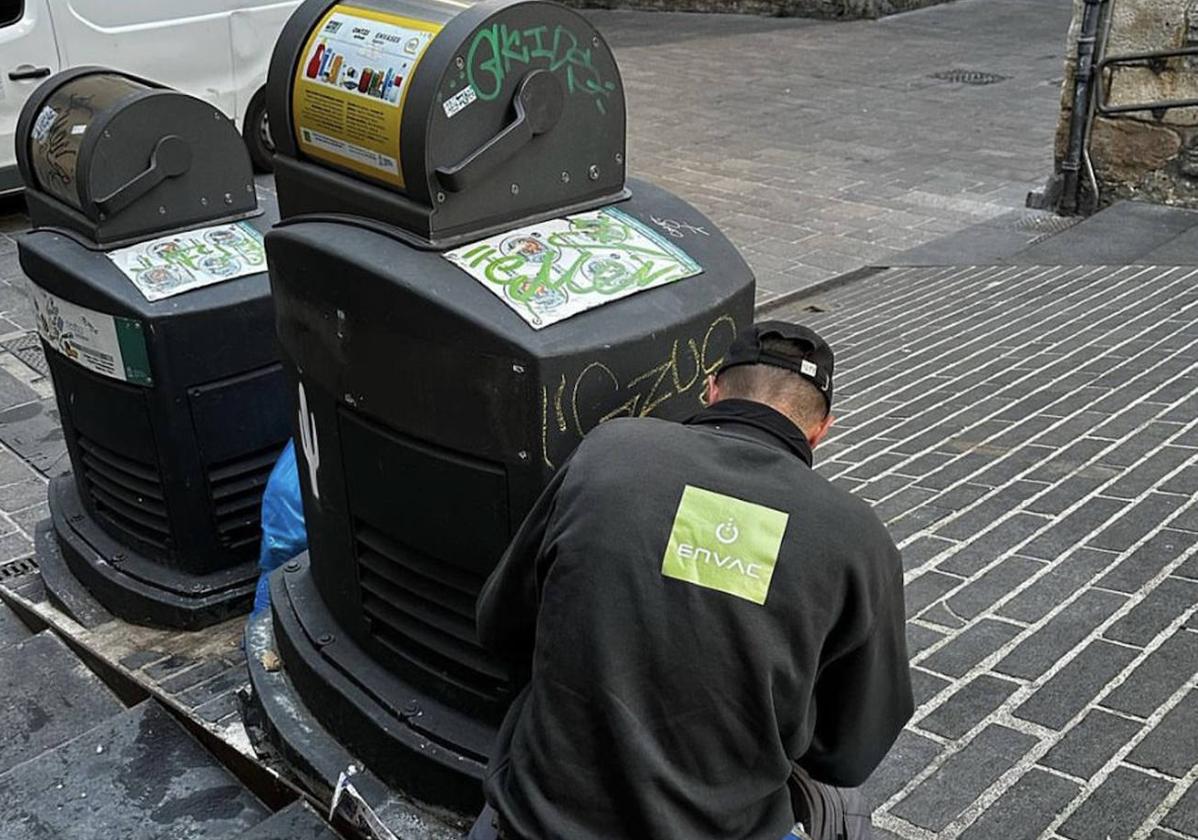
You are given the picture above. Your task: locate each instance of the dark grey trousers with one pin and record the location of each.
(825, 813)
(828, 813)
(486, 827)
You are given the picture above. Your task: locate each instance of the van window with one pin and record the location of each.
(10, 11)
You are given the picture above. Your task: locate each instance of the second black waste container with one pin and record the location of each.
(147, 273)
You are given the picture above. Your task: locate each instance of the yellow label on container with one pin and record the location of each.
(350, 86)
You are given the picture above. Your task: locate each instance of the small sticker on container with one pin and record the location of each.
(42, 126)
(352, 151)
(459, 100)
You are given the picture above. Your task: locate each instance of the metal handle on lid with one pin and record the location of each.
(170, 159)
(539, 102)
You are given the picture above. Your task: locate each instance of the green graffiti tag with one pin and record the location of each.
(496, 50)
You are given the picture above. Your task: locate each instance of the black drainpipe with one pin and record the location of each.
(1082, 82)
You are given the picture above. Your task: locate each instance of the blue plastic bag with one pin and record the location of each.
(283, 532)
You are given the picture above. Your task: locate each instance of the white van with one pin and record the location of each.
(217, 50)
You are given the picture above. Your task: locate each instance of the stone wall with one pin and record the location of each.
(828, 9)
(1145, 155)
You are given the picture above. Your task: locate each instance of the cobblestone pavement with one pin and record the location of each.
(1030, 436)
(822, 147)
(33, 442)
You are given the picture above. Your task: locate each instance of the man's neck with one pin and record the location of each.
(760, 420)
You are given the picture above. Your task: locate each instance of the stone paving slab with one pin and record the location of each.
(820, 148)
(1051, 576)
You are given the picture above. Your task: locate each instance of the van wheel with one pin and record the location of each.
(256, 131)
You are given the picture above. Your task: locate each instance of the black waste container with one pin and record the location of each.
(147, 273)
(465, 285)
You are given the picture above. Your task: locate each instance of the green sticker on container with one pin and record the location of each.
(724, 543)
(134, 356)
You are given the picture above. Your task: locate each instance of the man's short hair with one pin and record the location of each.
(784, 389)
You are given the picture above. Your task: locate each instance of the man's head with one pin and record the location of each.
(785, 366)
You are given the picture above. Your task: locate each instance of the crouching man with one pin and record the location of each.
(713, 633)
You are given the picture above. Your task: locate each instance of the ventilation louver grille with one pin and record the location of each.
(423, 610)
(237, 488)
(126, 492)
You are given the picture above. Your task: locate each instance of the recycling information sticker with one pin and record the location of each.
(105, 344)
(171, 265)
(350, 85)
(550, 271)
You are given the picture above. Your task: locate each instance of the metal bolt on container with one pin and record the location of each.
(154, 313)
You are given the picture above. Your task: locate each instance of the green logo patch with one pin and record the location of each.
(724, 543)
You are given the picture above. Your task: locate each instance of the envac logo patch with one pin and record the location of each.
(724, 543)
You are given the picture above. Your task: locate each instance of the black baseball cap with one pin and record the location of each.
(816, 362)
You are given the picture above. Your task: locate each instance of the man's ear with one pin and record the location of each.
(711, 391)
(818, 433)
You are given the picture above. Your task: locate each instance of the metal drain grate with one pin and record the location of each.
(1045, 226)
(14, 569)
(1046, 223)
(28, 348)
(969, 77)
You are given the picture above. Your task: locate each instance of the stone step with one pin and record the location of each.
(298, 821)
(1127, 233)
(136, 776)
(47, 697)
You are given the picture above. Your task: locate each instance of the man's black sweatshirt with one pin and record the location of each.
(697, 609)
